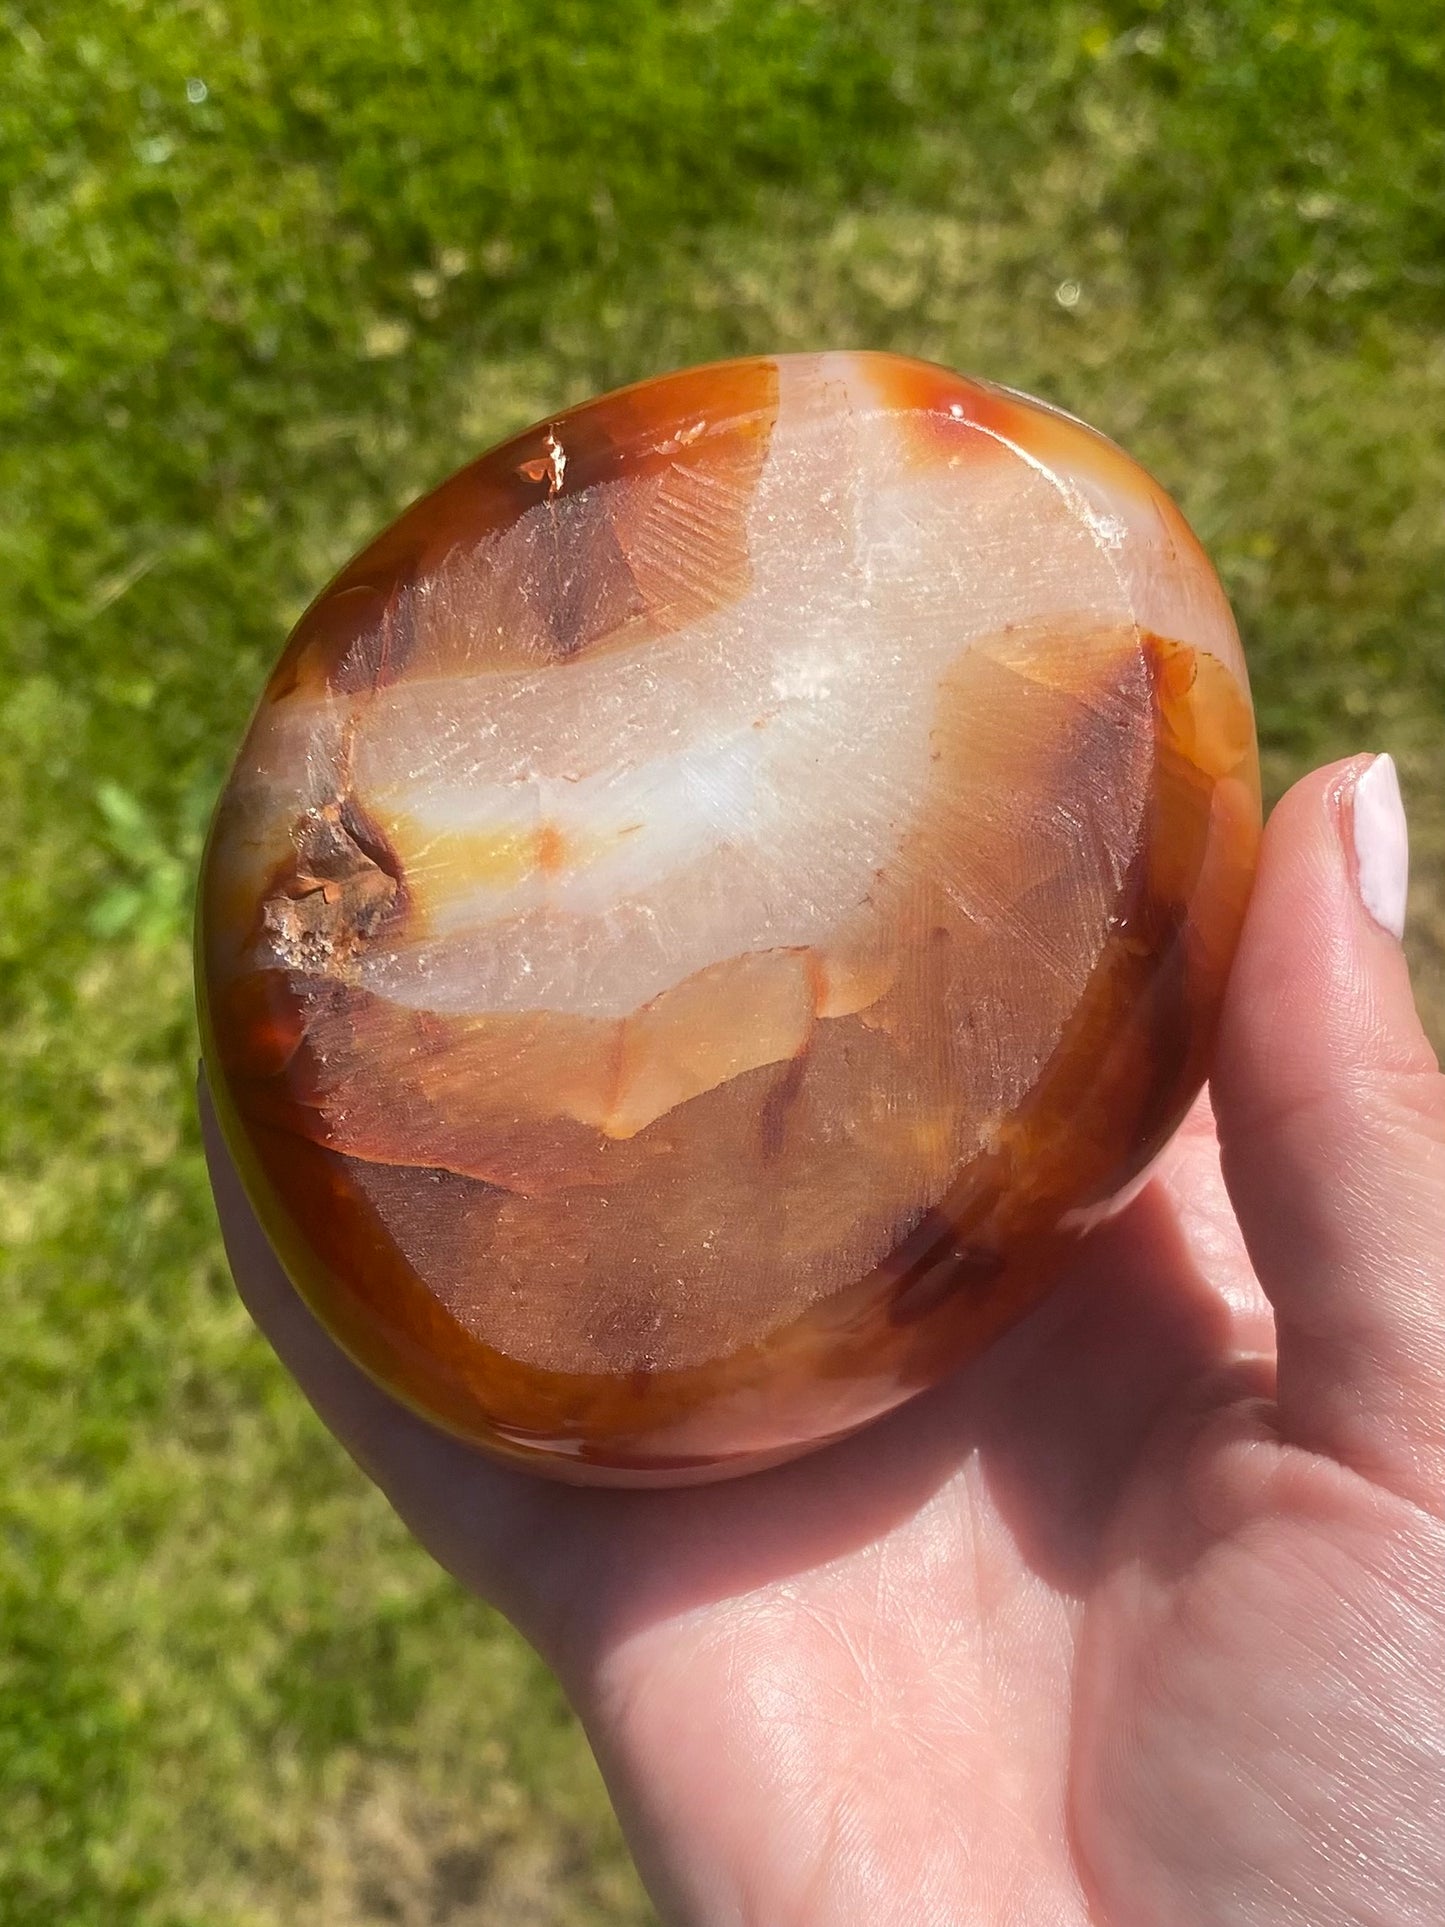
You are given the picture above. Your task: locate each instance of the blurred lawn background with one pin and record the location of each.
(267, 273)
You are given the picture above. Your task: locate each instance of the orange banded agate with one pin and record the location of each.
(716, 896)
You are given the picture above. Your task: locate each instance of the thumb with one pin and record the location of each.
(1331, 1113)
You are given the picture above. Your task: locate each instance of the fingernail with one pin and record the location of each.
(1382, 844)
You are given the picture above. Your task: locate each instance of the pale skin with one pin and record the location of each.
(1140, 1620)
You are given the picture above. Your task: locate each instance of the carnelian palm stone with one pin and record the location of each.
(718, 896)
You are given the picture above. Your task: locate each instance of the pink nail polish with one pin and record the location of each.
(1382, 844)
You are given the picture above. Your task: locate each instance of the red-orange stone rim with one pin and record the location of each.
(854, 766)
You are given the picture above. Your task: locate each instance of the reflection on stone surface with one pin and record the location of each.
(713, 894)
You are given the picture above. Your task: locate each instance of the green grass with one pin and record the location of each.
(268, 272)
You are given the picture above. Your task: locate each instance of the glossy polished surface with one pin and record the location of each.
(717, 895)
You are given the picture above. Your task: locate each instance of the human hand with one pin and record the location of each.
(1139, 1620)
